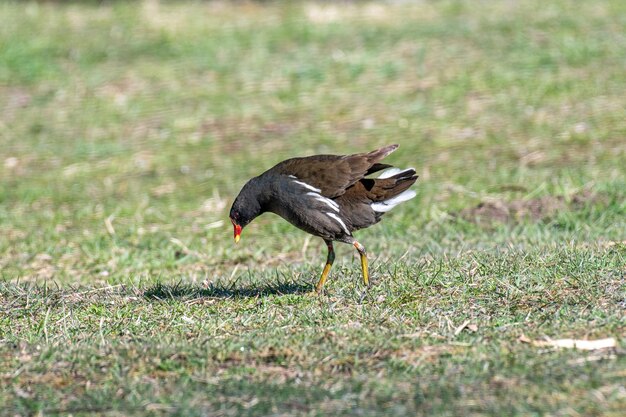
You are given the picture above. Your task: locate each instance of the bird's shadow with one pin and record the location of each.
(162, 291)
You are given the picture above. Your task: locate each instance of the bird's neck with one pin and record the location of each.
(266, 193)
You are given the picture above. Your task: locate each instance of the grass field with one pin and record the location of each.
(127, 128)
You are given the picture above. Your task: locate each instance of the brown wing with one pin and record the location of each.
(332, 174)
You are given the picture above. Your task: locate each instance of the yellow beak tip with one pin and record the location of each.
(237, 238)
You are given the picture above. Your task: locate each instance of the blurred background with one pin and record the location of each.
(127, 128)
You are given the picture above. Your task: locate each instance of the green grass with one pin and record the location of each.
(127, 129)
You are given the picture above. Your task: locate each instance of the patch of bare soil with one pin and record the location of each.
(535, 209)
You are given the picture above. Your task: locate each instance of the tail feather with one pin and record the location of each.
(385, 192)
(392, 188)
(377, 167)
(397, 173)
(386, 205)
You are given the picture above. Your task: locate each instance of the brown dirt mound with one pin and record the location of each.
(535, 209)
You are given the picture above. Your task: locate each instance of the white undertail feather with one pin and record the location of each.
(390, 172)
(385, 206)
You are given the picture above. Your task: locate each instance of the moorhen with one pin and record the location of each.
(328, 196)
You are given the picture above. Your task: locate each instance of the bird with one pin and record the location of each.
(329, 196)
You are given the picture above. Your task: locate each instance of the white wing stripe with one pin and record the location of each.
(310, 187)
(330, 203)
(343, 225)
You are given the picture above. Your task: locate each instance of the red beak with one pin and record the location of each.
(237, 233)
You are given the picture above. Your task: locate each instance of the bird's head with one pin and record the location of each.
(245, 209)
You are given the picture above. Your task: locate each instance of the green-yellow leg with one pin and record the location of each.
(363, 254)
(329, 262)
